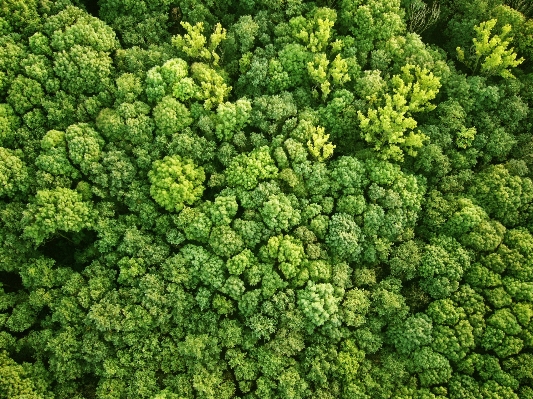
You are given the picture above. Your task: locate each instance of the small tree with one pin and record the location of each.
(490, 56)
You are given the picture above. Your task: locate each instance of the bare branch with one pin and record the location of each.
(524, 6)
(421, 16)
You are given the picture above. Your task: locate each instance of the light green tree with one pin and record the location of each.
(389, 127)
(176, 182)
(490, 56)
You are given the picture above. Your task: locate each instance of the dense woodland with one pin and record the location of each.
(326, 199)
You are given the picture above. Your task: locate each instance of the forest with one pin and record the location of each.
(282, 199)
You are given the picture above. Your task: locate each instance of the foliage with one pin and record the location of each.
(490, 56)
(176, 182)
(386, 126)
(285, 199)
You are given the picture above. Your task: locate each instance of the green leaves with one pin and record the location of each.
(318, 302)
(195, 224)
(412, 334)
(13, 174)
(314, 32)
(15, 382)
(9, 122)
(288, 252)
(161, 80)
(84, 146)
(442, 267)
(83, 70)
(56, 210)
(167, 236)
(344, 237)
(318, 145)
(72, 26)
(278, 213)
(370, 21)
(247, 170)
(176, 182)
(171, 116)
(232, 117)
(386, 126)
(172, 78)
(503, 196)
(213, 88)
(194, 43)
(490, 54)
(432, 367)
(24, 94)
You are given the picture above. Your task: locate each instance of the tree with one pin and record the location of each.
(318, 302)
(13, 173)
(284, 199)
(176, 182)
(15, 383)
(501, 194)
(385, 126)
(491, 56)
(56, 210)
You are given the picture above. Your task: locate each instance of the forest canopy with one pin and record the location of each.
(266, 199)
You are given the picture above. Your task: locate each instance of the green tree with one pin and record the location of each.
(491, 55)
(56, 210)
(176, 182)
(384, 127)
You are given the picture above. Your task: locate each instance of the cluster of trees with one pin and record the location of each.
(283, 199)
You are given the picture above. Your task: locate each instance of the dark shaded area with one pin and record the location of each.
(25, 355)
(415, 298)
(65, 247)
(11, 282)
(61, 249)
(91, 6)
(89, 385)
